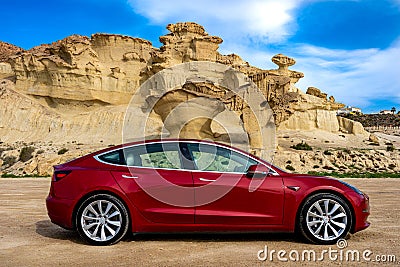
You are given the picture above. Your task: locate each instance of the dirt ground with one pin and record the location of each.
(28, 238)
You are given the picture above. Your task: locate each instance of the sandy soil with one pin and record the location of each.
(389, 137)
(28, 238)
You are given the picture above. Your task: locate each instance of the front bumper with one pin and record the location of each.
(362, 211)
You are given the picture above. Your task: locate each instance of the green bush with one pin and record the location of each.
(327, 152)
(290, 168)
(328, 168)
(390, 148)
(302, 146)
(62, 151)
(26, 153)
(9, 161)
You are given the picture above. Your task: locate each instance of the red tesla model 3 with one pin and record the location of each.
(194, 186)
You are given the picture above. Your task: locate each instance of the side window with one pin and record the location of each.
(114, 157)
(162, 159)
(154, 155)
(215, 158)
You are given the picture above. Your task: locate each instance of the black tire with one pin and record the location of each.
(102, 220)
(319, 227)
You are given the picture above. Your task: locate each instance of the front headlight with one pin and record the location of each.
(352, 187)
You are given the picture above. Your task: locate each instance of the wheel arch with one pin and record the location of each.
(104, 192)
(333, 192)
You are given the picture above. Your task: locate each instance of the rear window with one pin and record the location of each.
(153, 155)
(114, 157)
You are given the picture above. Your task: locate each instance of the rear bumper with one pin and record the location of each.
(60, 211)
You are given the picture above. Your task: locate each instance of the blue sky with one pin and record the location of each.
(349, 49)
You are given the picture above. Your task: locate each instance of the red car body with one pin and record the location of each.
(274, 206)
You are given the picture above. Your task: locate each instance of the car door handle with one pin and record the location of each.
(129, 177)
(206, 180)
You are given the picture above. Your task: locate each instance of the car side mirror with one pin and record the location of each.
(257, 171)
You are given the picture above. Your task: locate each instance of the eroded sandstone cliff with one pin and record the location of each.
(77, 88)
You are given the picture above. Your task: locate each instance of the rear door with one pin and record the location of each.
(154, 181)
(224, 194)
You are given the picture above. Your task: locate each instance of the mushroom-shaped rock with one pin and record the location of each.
(283, 61)
(184, 28)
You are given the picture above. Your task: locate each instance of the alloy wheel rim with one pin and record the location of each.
(101, 220)
(326, 219)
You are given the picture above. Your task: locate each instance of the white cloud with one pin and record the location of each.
(396, 2)
(266, 20)
(354, 77)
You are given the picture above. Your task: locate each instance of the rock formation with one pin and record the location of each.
(7, 50)
(29, 120)
(293, 109)
(104, 69)
(316, 92)
(350, 126)
(78, 88)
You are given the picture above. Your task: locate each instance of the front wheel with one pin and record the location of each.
(325, 218)
(102, 220)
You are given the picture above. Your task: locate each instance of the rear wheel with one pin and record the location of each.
(325, 218)
(102, 220)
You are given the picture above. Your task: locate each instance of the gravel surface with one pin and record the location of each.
(28, 238)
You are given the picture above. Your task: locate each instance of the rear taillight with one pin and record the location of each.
(58, 175)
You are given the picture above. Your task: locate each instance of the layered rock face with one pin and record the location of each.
(26, 119)
(105, 68)
(78, 88)
(6, 72)
(7, 50)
